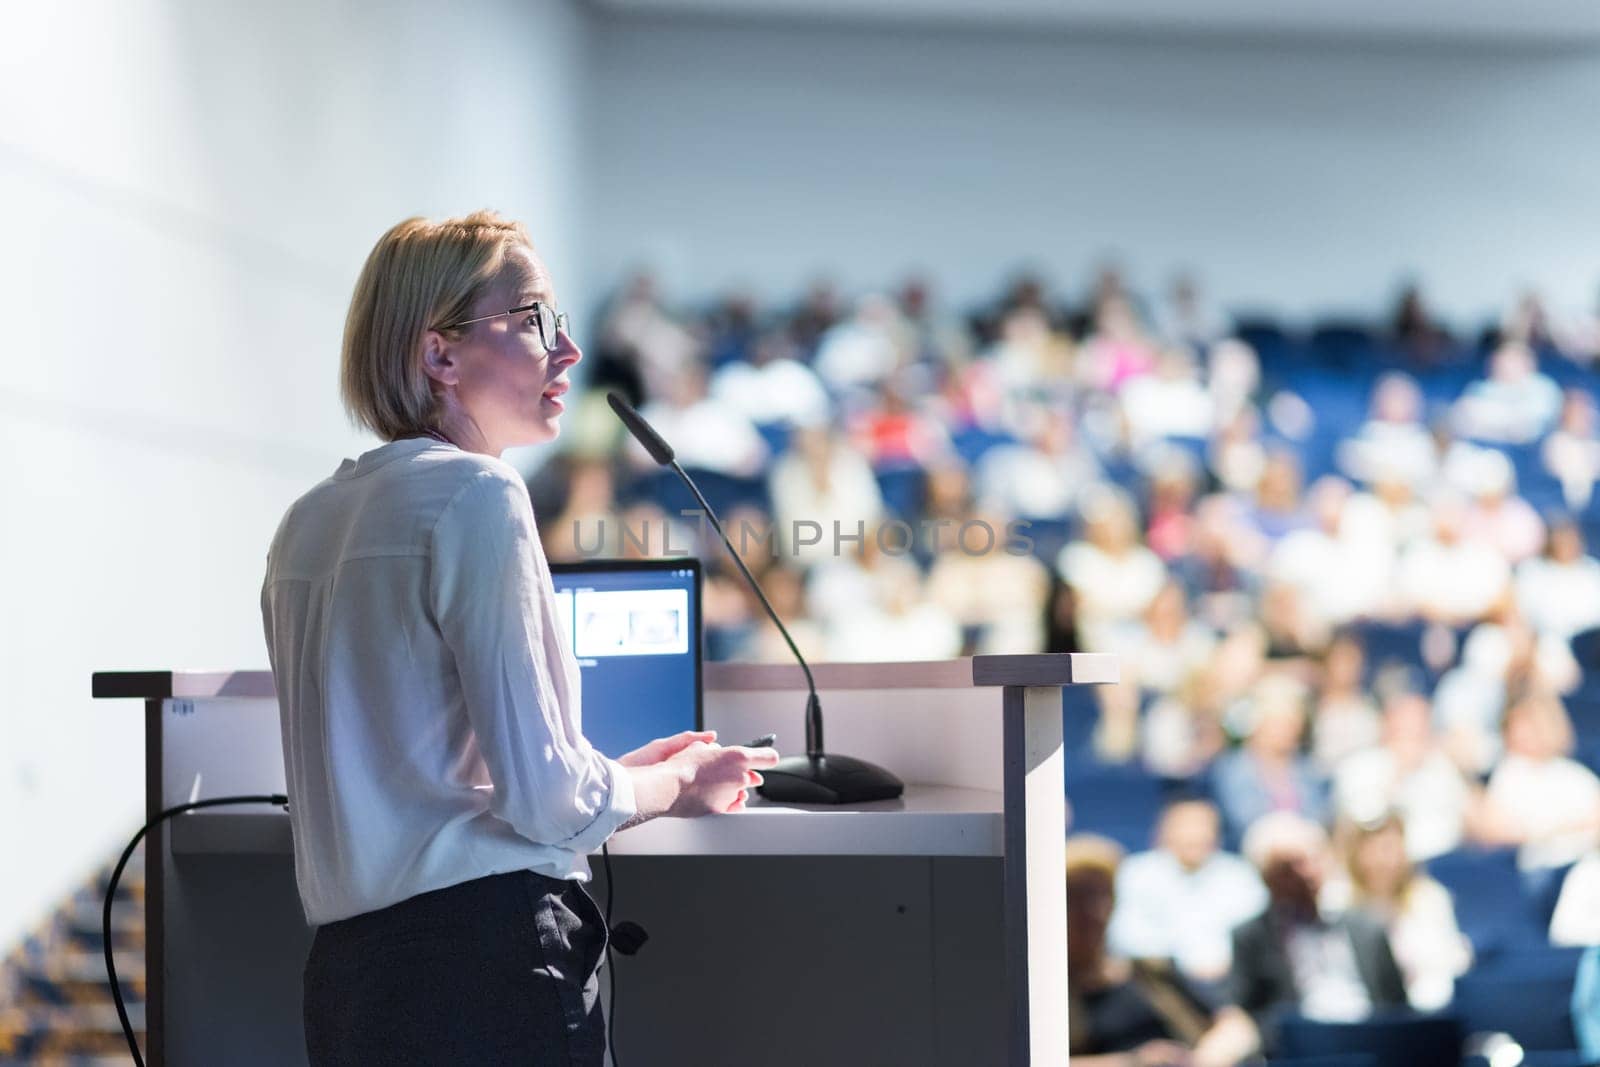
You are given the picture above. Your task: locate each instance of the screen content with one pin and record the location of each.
(635, 634)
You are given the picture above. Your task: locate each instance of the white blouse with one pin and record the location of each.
(428, 699)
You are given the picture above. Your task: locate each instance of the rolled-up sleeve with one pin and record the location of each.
(492, 601)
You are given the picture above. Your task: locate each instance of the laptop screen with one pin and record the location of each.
(634, 626)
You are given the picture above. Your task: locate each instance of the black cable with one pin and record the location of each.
(277, 799)
(611, 963)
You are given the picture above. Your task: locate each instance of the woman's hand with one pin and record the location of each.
(664, 748)
(715, 779)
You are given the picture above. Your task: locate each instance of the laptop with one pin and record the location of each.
(634, 627)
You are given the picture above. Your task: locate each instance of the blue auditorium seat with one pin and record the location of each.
(1492, 906)
(1341, 344)
(971, 443)
(1344, 1059)
(1402, 1040)
(723, 492)
(1080, 714)
(1049, 537)
(1526, 994)
(1274, 348)
(1390, 642)
(1119, 801)
(1586, 650)
(776, 435)
(903, 490)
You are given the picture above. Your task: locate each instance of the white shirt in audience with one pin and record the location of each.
(1111, 589)
(1559, 598)
(1432, 799)
(1428, 945)
(1541, 797)
(1166, 912)
(1577, 917)
(709, 435)
(782, 391)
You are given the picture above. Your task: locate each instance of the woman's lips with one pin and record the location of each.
(552, 396)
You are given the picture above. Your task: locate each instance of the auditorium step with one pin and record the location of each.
(56, 1008)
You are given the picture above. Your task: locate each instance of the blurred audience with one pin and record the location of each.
(1538, 799)
(1333, 571)
(1378, 876)
(1182, 900)
(1270, 771)
(1409, 774)
(1298, 958)
(1117, 1005)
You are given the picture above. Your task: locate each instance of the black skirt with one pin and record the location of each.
(498, 970)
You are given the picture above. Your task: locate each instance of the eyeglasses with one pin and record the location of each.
(551, 322)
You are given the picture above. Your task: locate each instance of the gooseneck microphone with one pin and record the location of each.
(816, 777)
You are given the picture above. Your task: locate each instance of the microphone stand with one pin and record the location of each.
(816, 777)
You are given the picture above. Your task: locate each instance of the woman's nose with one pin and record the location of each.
(566, 352)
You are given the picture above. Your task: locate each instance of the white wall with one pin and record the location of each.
(1294, 176)
(189, 191)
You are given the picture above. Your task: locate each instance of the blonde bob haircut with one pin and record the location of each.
(420, 275)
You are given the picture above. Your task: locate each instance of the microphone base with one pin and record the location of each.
(828, 779)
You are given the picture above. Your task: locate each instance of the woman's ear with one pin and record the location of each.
(438, 362)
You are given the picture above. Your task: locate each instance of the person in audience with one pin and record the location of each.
(1418, 914)
(1182, 900)
(821, 479)
(1042, 475)
(1497, 516)
(1181, 733)
(1171, 402)
(1166, 645)
(1344, 720)
(638, 325)
(1409, 774)
(1415, 331)
(1188, 319)
(992, 593)
(1572, 450)
(1527, 323)
(1295, 957)
(864, 349)
(1339, 575)
(1132, 1013)
(906, 625)
(1233, 375)
(706, 433)
(786, 591)
(1217, 573)
(1538, 798)
(1030, 361)
(1294, 638)
(861, 575)
(1117, 350)
(1515, 404)
(894, 432)
(1269, 772)
(1448, 578)
(1169, 525)
(1061, 617)
(1115, 576)
(1558, 592)
(579, 526)
(1394, 439)
(772, 388)
(1236, 456)
(1576, 920)
(820, 310)
(1586, 1004)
